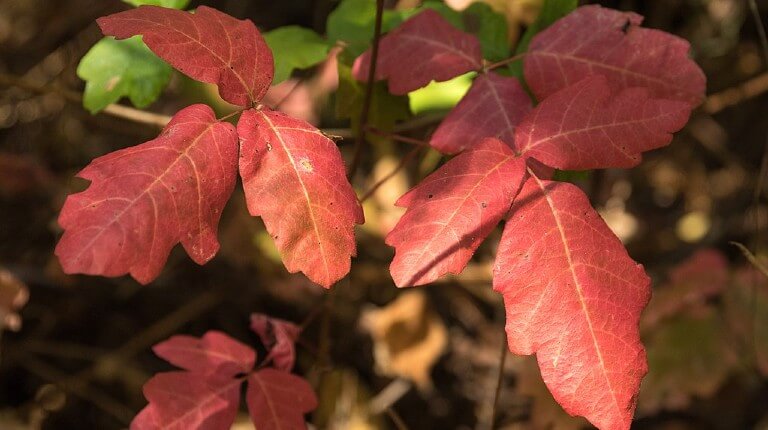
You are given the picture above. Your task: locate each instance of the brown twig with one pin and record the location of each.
(751, 258)
(499, 379)
(359, 140)
(403, 162)
(116, 110)
(501, 63)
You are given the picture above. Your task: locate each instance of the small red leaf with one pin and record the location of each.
(144, 199)
(279, 400)
(423, 49)
(582, 127)
(209, 46)
(452, 211)
(493, 107)
(294, 179)
(214, 353)
(185, 401)
(596, 40)
(573, 297)
(279, 337)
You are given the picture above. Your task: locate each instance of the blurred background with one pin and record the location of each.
(75, 350)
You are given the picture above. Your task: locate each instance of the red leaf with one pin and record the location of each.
(279, 337)
(279, 400)
(209, 46)
(144, 199)
(294, 179)
(214, 353)
(452, 211)
(595, 40)
(493, 107)
(583, 127)
(423, 49)
(573, 296)
(185, 401)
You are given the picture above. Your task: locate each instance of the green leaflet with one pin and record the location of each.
(551, 11)
(353, 21)
(386, 109)
(175, 4)
(440, 95)
(295, 47)
(116, 68)
(491, 28)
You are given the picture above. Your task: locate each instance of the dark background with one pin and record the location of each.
(92, 335)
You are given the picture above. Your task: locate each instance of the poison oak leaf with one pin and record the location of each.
(188, 401)
(279, 400)
(584, 126)
(294, 179)
(451, 212)
(144, 199)
(596, 40)
(493, 107)
(279, 337)
(209, 46)
(573, 297)
(423, 49)
(214, 353)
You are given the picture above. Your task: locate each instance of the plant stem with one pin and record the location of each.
(116, 110)
(368, 91)
(403, 162)
(499, 379)
(501, 63)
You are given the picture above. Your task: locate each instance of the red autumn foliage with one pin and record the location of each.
(207, 394)
(608, 91)
(209, 46)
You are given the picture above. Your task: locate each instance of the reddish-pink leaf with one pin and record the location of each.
(186, 401)
(452, 211)
(278, 400)
(493, 107)
(584, 127)
(596, 40)
(144, 199)
(423, 49)
(279, 337)
(214, 353)
(209, 46)
(294, 179)
(573, 297)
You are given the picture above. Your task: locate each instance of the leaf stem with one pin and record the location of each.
(501, 63)
(403, 162)
(113, 109)
(499, 379)
(368, 91)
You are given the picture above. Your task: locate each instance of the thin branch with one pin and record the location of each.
(116, 110)
(389, 395)
(368, 91)
(403, 162)
(751, 258)
(499, 379)
(501, 63)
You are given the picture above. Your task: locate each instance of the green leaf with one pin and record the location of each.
(116, 68)
(353, 21)
(491, 28)
(551, 11)
(175, 4)
(450, 15)
(295, 47)
(386, 109)
(440, 95)
(688, 357)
